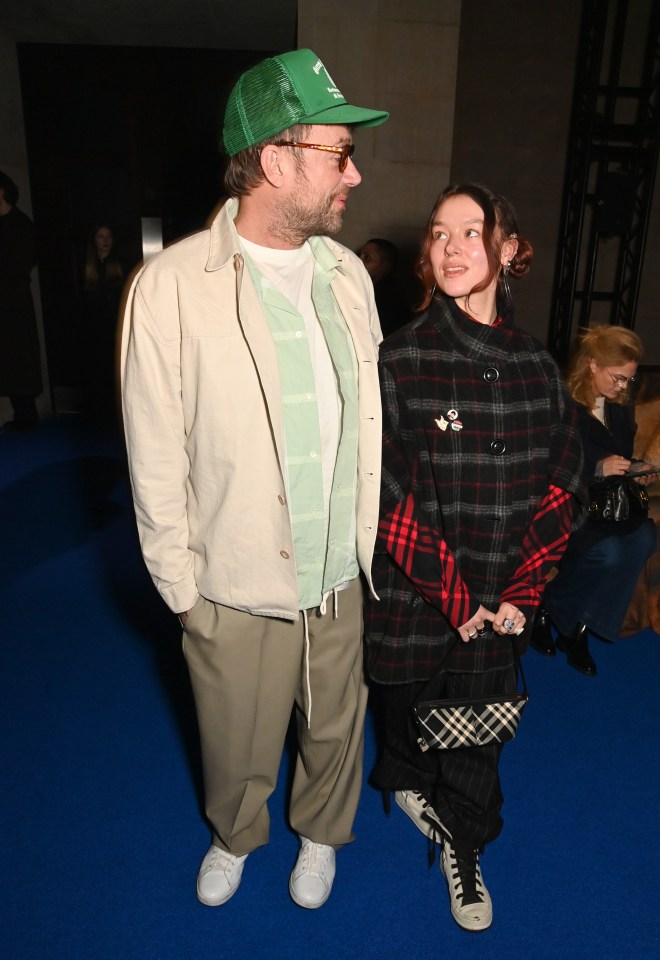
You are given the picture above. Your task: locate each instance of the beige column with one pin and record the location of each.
(400, 57)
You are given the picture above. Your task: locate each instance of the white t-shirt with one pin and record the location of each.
(291, 272)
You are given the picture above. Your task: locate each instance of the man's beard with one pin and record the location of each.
(307, 215)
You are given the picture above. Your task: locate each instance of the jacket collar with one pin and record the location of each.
(224, 243)
(469, 337)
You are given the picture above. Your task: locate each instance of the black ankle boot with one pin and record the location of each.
(576, 648)
(541, 638)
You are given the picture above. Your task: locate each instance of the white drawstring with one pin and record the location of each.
(323, 605)
(322, 611)
(308, 685)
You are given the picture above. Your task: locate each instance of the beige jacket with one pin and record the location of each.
(204, 428)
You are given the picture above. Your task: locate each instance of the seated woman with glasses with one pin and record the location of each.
(599, 570)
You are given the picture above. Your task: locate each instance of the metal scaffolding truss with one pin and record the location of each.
(613, 150)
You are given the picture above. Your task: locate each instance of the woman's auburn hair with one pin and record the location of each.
(608, 346)
(500, 224)
(114, 271)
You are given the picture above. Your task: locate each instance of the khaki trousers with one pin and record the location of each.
(247, 675)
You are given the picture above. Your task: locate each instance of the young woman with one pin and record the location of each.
(599, 570)
(481, 486)
(103, 282)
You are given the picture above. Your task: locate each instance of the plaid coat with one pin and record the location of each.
(481, 484)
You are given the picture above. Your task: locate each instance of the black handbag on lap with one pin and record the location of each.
(614, 499)
(470, 722)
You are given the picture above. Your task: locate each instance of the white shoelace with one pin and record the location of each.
(314, 859)
(223, 860)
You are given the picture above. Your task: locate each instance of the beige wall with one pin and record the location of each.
(400, 57)
(490, 101)
(513, 107)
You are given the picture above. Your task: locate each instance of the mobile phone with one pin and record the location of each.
(644, 470)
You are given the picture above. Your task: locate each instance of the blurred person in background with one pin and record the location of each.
(599, 571)
(381, 258)
(20, 355)
(103, 282)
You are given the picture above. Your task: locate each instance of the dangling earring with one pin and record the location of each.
(507, 267)
(505, 280)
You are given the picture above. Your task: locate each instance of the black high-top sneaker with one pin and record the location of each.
(471, 906)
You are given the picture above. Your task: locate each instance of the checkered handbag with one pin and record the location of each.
(473, 722)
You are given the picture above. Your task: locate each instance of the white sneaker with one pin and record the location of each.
(311, 879)
(219, 876)
(418, 807)
(471, 906)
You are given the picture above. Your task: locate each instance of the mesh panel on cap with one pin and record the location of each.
(264, 105)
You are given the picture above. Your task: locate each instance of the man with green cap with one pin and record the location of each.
(252, 416)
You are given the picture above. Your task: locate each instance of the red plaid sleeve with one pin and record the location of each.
(424, 557)
(542, 548)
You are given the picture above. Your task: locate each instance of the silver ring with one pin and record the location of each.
(481, 631)
(509, 625)
(471, 636)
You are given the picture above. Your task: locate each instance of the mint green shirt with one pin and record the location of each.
(323, 528)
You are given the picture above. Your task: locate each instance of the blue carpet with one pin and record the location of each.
(102, 826)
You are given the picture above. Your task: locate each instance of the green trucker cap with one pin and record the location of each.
(285, 90)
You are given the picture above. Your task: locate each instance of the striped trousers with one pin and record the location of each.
(463, 785)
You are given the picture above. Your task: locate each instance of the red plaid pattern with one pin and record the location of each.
(481, 486)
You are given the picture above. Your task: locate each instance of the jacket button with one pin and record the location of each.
(497, 447)
(491, 374)
(284, 554)
(281, 499)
